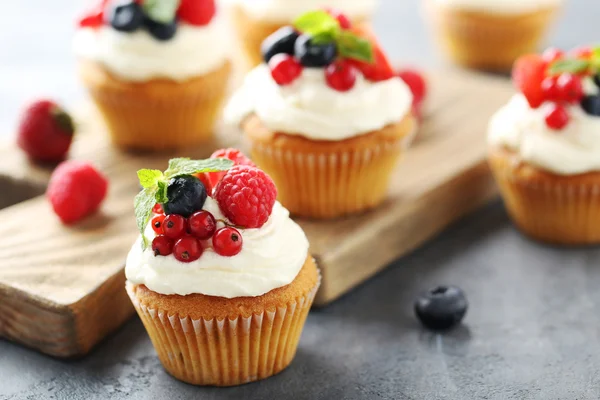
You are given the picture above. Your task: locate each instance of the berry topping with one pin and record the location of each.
(45, 131)
(159, 30)
(174, 226)
(569, 88)
(205, 178)
(583, 52)
(196, 12)
(94, 17)
(341, 76)
(246, 196)
(341, 18)
(280, 42)
(591, 105)
(416, 82)
(157, 224)
(202, 225)
(234, 155)
(311, 54)
(557, 117)
(227, 242)
(76, 190)
(157, 209)
(528, 73)
(186, 195)
(441, 308)
(126, 16)
(187, 249)
(552, 54)
(285, 69)
(550, 89)
(162, 245)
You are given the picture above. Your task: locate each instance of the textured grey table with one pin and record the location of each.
(532, 332)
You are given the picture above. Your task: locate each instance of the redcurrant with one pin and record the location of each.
(157, 209)
(227, 241)
(557, 117)
(157, 224)
(284, 69)
(162, 245)
(340, 76)
(202, 225)
(570, 88)
(187, 249)
(550, 89)
(174, 226)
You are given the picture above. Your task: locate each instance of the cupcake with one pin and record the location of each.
(255, 20)
(326, 117)
(156, 71)
(544, 148)
(221, 278)
(490, 34)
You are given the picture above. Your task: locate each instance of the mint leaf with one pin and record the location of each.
(316, 23)
(574, 66)
(354, 47)
(149, 177)
(143, 203)
(161, 192)
(161, 10)
(185, 166)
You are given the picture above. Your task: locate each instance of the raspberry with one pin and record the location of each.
(234, 155)
(76, 190)
(528, 73)
(416, 83)
(342, 19)
(380, 69)
(246, 196)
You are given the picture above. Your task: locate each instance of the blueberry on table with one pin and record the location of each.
(281, 41)
(126, 16)
(161, 31)
(591, 105)
(314, 55)
(186, 195)
(442, 307)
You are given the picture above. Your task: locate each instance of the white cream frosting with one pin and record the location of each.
(285, 11)
(500, 6)
(271, 257)
(572, 150)
(137, 56)
(310, 108)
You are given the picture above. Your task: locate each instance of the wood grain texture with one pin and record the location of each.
(62, 288)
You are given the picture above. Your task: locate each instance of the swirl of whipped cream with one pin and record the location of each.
(137, 56)
(310, 108)
(284, 11)
(572, 150)
(271, 257)
(500, 6)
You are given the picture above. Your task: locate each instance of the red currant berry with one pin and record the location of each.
(202, 225)
(162, 245)
(174, 226)
(285, 69)
(157, 209)
(552, 54)
(157, 224)
(570, 88)
(342, 19)
(187, 249)
(227, 242)
(557, 118)
(340, 76)
(550, 89)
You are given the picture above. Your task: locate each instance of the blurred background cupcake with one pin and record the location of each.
(157, 71)
(255, 20)
(490, 34)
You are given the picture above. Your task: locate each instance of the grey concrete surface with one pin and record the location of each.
(532, 332)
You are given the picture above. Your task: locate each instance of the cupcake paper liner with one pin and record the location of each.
(159, 114)
(230, 351)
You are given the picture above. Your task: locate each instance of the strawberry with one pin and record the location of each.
(528, 73)
(45, 131)
(380, 69)
(196, 12)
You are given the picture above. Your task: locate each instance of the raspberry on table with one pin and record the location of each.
(246, 196)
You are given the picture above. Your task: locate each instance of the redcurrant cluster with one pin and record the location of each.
(186, 238)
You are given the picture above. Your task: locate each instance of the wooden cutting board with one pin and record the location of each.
(62, 288)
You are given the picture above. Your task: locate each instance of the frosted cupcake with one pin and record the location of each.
(222, 279)
(326, 118)
(544, 148)
(157, 70)
(255, 20)
(490, 34)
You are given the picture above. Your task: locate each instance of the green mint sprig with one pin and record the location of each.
(325, 29)
(155, 183)
(162, 11)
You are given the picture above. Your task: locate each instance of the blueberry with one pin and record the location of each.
(282, 41)
(186, 195)
(126, 16)
(314, 55)
(442, 307)
(161, 31)
(591, 105)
